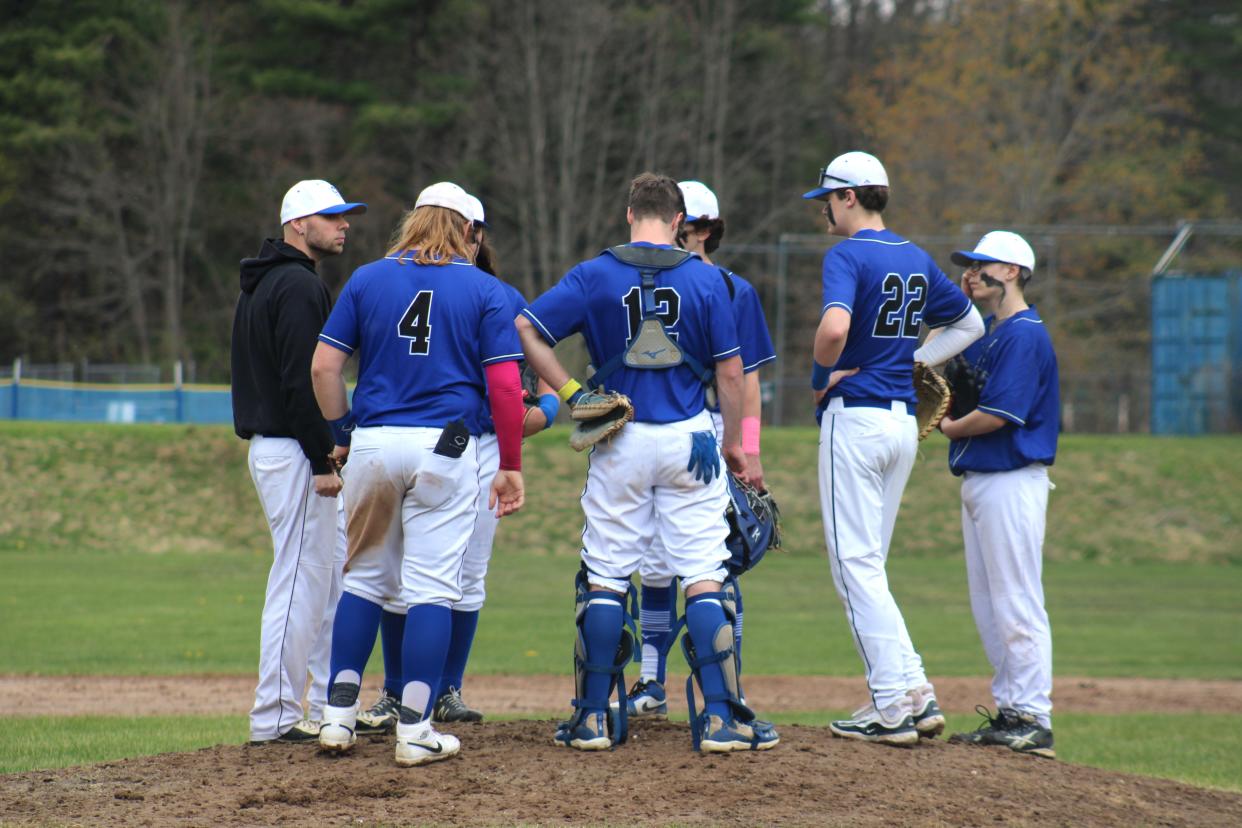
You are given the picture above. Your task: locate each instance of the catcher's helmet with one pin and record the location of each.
(753, 525)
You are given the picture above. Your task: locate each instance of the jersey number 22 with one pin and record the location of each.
(902, 310)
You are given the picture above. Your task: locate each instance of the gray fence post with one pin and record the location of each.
(17, 381)
(178, 391)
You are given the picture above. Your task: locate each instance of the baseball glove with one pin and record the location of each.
(598, 415)
(933, 396)
(965, 383)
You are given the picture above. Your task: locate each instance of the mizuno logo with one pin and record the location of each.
(654, 354)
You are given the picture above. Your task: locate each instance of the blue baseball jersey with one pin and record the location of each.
(889, 286)
(1018, 371)
(422, 334)
(516, 302)
(601, 299)
(752, 326)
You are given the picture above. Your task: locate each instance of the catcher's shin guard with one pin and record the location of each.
(618, 729)
(722, 655)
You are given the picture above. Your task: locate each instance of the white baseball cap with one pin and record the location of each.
(998, 246)
(700, 201)
(449, 195)
(476, 211)
(853, 169)
(315, 197)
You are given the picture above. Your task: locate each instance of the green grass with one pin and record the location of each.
(83, 612)
(158, 489)
(63, 741)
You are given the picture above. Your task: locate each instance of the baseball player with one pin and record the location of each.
(878, 289)
(281, 308)
(434, 336)
(701, 234)
(659, 476)
(539, 413)
(1002, 450)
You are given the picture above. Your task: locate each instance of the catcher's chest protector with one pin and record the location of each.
(651, 348)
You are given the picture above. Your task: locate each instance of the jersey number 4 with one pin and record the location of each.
(902, 310)
(415, 324)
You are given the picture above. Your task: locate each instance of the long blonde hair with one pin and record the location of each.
(430, 236)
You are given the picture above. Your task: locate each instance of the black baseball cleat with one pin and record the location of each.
(451, 708)
(1018, 731)
(381, 717)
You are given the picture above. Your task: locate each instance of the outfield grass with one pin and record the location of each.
(82, 612)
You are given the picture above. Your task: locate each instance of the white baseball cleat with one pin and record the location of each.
(418, 744)
(337, 733)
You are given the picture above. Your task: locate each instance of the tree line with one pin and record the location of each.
(145, 144)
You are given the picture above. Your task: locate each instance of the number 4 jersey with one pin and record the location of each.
(889, 286)
(423, 334)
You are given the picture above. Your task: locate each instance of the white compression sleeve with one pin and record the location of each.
(951, 341)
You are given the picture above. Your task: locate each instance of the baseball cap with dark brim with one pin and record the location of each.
(852, 169)
(998, 246)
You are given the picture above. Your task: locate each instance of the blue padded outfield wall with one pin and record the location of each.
(1196, 354)
(48, 400)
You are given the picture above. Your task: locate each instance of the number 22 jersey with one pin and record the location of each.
(889, 286)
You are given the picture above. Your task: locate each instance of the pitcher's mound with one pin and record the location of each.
(509, 773)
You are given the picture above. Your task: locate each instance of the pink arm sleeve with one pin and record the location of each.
(504, 396)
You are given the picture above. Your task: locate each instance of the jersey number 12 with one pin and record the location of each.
(415, 324)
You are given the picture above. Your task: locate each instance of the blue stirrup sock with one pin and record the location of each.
(392, 632)
(465, 622)
(426, 642)
(601, 632)
(657, 609)
(353, 635)
(705, 615)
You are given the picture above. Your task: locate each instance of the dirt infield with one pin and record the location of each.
(510, 774)
(549, 695)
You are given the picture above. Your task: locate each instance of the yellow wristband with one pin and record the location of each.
(569, 389)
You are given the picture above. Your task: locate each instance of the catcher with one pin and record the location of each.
(659, 324)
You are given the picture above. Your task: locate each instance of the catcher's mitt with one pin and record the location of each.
(965, 383)
(598, 416)
(933, 396)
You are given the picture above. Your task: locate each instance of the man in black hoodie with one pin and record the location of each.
(282, 307)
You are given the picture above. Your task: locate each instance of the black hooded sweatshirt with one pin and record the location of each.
(281, 310)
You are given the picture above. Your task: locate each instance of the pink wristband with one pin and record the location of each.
(750, 435)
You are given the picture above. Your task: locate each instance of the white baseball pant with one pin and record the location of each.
(1003, 519)
(321, 650)
(410, 515)
(479, 548)
(298, 587)
(637, 490)
(865, 458)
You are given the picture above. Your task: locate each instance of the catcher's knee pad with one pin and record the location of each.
(584, 596)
